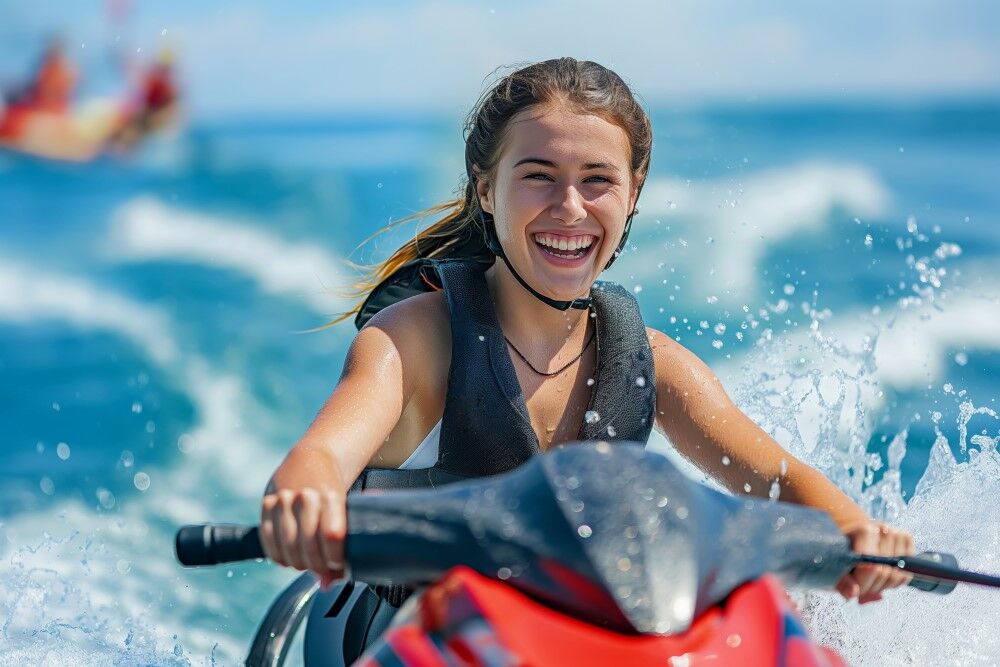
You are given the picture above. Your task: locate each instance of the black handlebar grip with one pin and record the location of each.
(936, 586)
(216, 543)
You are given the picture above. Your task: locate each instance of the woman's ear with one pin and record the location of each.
(634, 196)
(484, 191)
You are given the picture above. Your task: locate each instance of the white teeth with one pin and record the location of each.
(573, 244)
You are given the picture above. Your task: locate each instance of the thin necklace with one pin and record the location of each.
(553, 373)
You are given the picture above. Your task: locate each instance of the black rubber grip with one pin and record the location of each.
(925, 568)
(217, 543)
(936, 586)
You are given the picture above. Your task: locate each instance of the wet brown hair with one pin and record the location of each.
(582, 86)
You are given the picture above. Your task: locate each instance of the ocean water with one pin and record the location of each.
(836, 266)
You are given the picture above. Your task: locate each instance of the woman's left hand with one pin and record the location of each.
(866, 582)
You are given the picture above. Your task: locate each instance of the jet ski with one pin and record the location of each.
(591, 554)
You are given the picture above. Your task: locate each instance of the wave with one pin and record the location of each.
(740, 219)
(102, 565)
(145, 229)
(27, 295)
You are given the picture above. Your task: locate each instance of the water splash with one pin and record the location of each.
(822, 397)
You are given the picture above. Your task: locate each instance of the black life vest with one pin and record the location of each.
(486, 429)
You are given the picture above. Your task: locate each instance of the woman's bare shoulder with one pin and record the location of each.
(679, 368)
(419, 327)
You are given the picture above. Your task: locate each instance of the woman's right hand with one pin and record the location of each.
(305, 529)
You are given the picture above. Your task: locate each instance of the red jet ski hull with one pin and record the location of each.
(468, 619)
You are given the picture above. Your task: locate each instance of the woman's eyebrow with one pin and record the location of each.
(550, 163)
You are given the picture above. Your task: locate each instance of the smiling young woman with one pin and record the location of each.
(466, 366)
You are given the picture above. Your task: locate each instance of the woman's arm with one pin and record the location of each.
(303, 519)
(695, 413)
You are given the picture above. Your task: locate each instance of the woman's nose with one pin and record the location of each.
(569, 206)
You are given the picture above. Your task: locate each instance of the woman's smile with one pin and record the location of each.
(565, 250)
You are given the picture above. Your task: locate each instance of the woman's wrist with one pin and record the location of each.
(308, 467)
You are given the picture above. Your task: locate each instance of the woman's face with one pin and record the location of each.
(561, 193)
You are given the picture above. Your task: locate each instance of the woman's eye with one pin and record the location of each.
(540, 176)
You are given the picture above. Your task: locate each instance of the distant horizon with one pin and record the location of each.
(850, 105)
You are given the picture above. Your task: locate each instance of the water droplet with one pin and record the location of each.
(150, 426)
(136, 407)
(717, 344)
(603, 447)
(47, 486)
(719, 329)
(573, 482)
(961, 358)
(185, 442)
(624, 564)
(869, 241)
(105, 498)
(127, 459)
(662, 502)
(640, 381)
(774, 491)
(789, 289)
(779, 523)
(817, 560)
(62, 451)
(229, 574)
(141, 481)
(611, 431)
(482, 338)
(576, 506)
(733, 640)
(504, 573)
(747, 487)
(590, 382)
(682, 513)
(584, 531)
(901, 563)
(178, 651)
(591, 417)
(726, 460)
(637, 289)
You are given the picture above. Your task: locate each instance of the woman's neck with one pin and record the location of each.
(530, 323)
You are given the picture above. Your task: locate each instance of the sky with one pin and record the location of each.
(248, 59)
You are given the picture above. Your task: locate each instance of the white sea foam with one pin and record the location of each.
(27, 294)
(740, 219)
(145, 229)
(907, 627)
(85, 580)
(820, 394)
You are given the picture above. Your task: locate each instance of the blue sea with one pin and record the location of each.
(837, 265)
